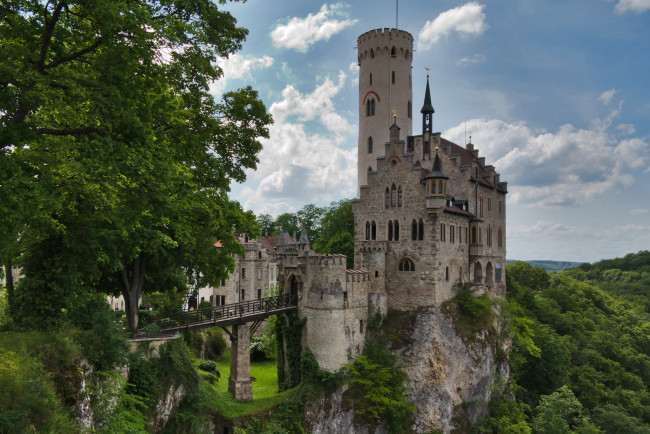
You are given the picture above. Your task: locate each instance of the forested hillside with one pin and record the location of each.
(580, 357)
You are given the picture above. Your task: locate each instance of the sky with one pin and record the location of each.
(556, 95)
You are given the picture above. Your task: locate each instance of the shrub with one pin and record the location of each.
(28, 402)
(215, 345)
(208, 366)
(257, 349)
(376, 390)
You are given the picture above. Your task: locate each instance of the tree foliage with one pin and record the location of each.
(109, 133)
(580, 357)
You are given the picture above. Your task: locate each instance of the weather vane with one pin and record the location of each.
(428, 69)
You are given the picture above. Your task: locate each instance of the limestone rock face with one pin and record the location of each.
(168, 403)
(442, 372)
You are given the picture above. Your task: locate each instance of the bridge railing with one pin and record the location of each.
(219, 313)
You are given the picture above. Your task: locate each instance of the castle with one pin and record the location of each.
(430, 215)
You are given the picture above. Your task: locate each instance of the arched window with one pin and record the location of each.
(474, 235)
(447, 273)
(374, 230)
(406, 55)
(393, 196)
(414, 230)
(387, 197)
(367, 230)
(368, 108)
(396, 230)
(370, 145)
(409, 110)
(500, 238)
(488, 274)
(390, 230)
(421, 230)
(393, 52)
(372, 53)
(372, 107)
(497, 272)
(370, 79)
(369, 169)
(399, 196)
(440, 187)
(393, 77)
(405, 264)
(480, 206)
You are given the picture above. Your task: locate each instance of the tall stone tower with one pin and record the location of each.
(384, 91)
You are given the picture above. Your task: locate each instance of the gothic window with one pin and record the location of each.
(367, 230)
(393, 77)
(243, 273)
(406, 55)
(421, 230)
(393, 196)
(370, 145)
(474, 235)
(396, 230)
(405, 264)
(372, 107)
(368, 108)
(393, 52)
(399, 196)
(372, 53)
(452, 235)
(414, 230)
(480, 235)
(440, 187)
(497, 273)
(489, 236)
(489, 204)
(409, 110)
(390, 230)
(500, 238)
(259, 274)
(374, 230)
(442, 232)
(480, 206)
(387, 197)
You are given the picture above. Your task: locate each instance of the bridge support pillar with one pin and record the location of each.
(239, 382)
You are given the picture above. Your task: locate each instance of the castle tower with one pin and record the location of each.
(385, 57)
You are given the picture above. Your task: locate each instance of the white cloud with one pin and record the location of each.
(569, 167)
(298, 165)
(467, 19)
(354, 69)
(638, 211)
(237, 66)
(607, 96)
(301, 33)
(476, 59)
(626, 128)
(636, 6)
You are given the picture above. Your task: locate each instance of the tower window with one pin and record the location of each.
(393, 52)
(390, 230)
(372, 53)
(373, 233)
(399, 196)
(387, 197)
(414, 230)
(396, 230)
(370, 145)
(367, 230)
(372, 107)
(370, 79)
(409, 110)
(393, 77)
(447, 273)
(393, 196)
(421, 230)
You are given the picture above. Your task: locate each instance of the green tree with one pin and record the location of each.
(336, 234)
(561, 412)
(104, 106)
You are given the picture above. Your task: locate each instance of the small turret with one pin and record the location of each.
(436, 184)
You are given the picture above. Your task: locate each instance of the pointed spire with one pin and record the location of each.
(436, 172)
(304, 239)
(427, 111)
(427, 107)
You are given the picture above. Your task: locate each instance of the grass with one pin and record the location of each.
(265, 389)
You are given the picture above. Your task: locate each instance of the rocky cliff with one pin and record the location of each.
(449, 373)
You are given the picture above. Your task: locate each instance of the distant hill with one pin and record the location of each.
(549, 265)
